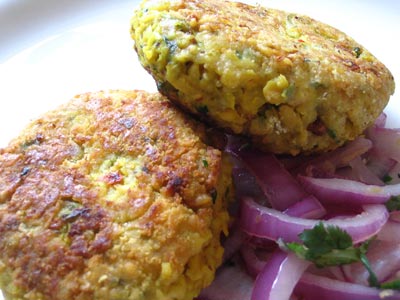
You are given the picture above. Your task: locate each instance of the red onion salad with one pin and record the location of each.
(353, 191)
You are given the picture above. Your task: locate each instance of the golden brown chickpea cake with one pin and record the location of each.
(114, 195)
(291, 83)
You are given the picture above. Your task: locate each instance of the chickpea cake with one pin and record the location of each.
(291, 83)
(114, 195)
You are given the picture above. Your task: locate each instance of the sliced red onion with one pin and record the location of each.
(380, 165)
(254, 265)
(381, 120)
(364, 174)
(386, 141)
(271, 224)
(279, 186)
(245, 183)
(327, 163)
(231, 282)
(384, 258)
(235, 144)
(314, 287)
(233, 242)
(308, 208)
(395, 216)
(390, 232)
(337, 190)
(262, 243)
(365, 187)
(291, 163)
(337, 272)
(279, 276)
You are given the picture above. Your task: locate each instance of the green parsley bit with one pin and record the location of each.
(239, 54)
(205, 163)
(357, 51)
(331, 246)
(393, 203)
(172, 46)
(332, 133)
(391, 285)
(288, 92)
(325, 246)
(387, 178)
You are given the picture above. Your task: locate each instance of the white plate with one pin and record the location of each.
(52, 50)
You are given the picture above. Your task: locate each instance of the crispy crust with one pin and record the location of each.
(112, 196)
(291, 83)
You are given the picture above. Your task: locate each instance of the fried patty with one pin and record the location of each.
(114, 195)
(291, 83)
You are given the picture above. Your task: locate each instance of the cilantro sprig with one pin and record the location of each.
(331, 246)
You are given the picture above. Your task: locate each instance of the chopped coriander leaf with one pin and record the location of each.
(167, 89)
(372, 279)
(326, 246)
(317, 85)
(332, 133)
(239, 54)
(393, 203)
(182, 26)
(288, 92)
(205, 163)
(329, 237)
(391, 285)
(331, 246)
(387, 178)
(172, 46)
(357, 51)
